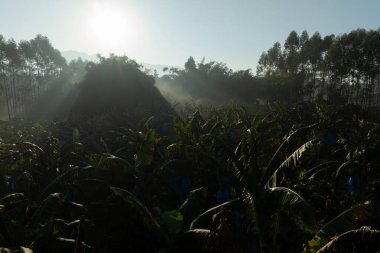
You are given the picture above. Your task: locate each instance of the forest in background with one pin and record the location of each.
(342, 69)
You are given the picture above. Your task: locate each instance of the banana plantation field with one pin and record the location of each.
(302, 179)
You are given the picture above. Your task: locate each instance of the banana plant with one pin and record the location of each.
(248, 170)
(260, 179)
(350, 219)
(40, 226)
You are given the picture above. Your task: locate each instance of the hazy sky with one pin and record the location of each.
(169, 31)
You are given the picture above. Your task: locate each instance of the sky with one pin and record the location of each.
(167, 32)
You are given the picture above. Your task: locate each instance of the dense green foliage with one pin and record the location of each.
(231, 182)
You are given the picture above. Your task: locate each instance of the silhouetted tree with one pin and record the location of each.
(116, 92)
(341, 68)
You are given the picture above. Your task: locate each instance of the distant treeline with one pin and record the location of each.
(338, 69)
(344, 67)
(211, 81)
(27, 69)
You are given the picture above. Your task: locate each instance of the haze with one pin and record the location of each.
(168, 32)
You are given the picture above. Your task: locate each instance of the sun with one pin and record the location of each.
(111, 28)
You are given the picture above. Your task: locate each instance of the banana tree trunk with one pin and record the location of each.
(262, 226)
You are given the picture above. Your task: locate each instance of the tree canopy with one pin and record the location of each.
(116, 91)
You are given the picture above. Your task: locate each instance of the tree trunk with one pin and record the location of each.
(261, 225)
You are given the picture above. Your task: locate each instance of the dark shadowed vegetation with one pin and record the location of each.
(94, 159)
(124, 95)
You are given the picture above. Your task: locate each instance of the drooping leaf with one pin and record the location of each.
(114, 162)
(62, 244)
(52, 230)
(207, 214)
(132, 201)
(360, 240)
(342, 166)
(274, 162)
(60, 178)
(194, 204)
(293, 158)
(12, 198)
(52, 208)
(296, 155)
(319, 170)
(185, 151)
(286, 199)
(348, 220)
(47, 210)
(32, 147)
(196, 240)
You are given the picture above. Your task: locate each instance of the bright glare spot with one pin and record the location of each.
(111, 29)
